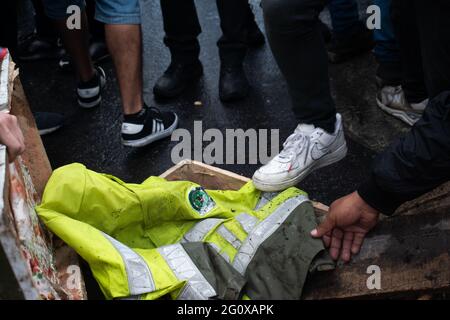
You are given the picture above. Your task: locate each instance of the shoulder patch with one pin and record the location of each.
(200, 201)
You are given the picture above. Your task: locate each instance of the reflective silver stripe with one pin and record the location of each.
(229, 236)
(140, 279)
(247, 221)
(201, 229)
(263, 231)
(197, 287)
(266, 197)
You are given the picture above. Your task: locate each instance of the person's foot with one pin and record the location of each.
(341, 49)
(177, 78)
(392, 100)
(98, 51)
(90, 93)
(36, 48)
(147, 126)
(233, 83)
(48, 122)
(306, 150)
(255, 37)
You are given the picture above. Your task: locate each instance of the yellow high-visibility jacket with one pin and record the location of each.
(175, 239)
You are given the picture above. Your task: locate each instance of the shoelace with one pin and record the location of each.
(293, 145)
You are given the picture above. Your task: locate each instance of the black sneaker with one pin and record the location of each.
(98, 51)
(36, 48)
(177, 78)
(90, 93)
(342, 49)
(149, 125)
(233, 83)
(48, 122)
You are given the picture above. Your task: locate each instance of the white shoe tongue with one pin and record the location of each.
(305, 128)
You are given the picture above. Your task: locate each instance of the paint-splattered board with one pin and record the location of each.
(33, 265)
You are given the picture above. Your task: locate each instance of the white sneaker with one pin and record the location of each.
(307, 149)
(393, 101)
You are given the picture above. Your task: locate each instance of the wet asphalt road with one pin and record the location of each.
(92, 137)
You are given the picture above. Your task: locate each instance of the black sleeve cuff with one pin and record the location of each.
(379, 199)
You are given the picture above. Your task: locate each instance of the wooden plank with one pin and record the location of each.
(18, 221)
(35, 157)
(412, 252)
(437, 200)
(215, 178)
(205, 175)
(16, 279)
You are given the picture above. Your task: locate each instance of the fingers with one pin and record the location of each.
(13, 145)
(327, 239)
(11, 135)
(357, 242)
(325, 227)
(336, 243)
(347, 246)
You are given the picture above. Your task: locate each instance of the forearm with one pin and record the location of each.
(415, 164)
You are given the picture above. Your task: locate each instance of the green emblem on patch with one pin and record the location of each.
(201, 201)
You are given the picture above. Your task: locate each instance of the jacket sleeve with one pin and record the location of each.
(414, 164)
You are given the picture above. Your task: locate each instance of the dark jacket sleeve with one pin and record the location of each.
(414, 164)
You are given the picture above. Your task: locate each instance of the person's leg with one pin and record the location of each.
(96, 27)
(182, 28)
(233, 83)
(233, 22)
(407, 97)
(434, 31)
(76, 43)
(255, 37)
(386, 49)
(124, 42)
(294, 35)
(350, 36)
(44, 25)
(344, 16)
(407, 34)
(141, 125)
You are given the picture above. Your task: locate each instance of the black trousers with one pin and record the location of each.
(419, 161)
(182, 28)
(423, 30)
(294, 35)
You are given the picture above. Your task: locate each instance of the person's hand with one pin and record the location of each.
(11, 136)
(349, 220)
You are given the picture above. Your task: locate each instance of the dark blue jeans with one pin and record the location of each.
(344, 17)
(386, 49)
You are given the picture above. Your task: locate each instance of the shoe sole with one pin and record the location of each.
(90, 105)
(44, 132)
(175, 93)
(327, 160)
(408, 118)
(97, 102)
(152, 138)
